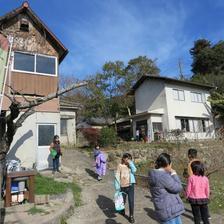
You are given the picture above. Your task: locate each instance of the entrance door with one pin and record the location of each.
(157, 130)
(143, 129)
(45, 134)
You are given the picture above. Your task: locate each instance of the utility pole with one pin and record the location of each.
(181, 76)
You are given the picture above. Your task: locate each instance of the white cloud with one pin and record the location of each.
(120, 31)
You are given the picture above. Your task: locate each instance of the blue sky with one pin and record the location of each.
(96, 31)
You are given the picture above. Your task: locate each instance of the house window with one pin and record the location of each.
(24, 25)
(45, 65)
(196, 97)
(63, 126)
(35, 63)
(185, 124)
(178, 94)
(195, 125)
(203, 125)
(199, 125)
(46, 133)
(24, 62)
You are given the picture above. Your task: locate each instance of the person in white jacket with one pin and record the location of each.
(125, 181)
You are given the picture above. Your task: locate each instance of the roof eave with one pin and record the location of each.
(58, 45)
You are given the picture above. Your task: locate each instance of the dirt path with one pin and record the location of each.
(98, 206)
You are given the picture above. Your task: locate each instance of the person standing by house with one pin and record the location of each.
(198, 192)
(137, 135)
(55, 151)
(101, 164)
(125, 181)
(165, 187)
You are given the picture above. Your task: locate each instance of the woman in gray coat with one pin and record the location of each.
(165, 187)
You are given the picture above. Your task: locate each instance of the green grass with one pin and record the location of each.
(47, 185)
(217, 188)
(34, 210)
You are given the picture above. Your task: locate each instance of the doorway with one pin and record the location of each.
(45, 134)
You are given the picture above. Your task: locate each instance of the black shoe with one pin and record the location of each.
(122, 212)
(131, 219)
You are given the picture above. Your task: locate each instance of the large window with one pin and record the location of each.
(35, 63)
(46, 133)
(24, 62)
(178, 94)
(197, 97)
(185, 125)
(197, 125)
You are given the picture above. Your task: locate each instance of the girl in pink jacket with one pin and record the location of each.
(198, 192)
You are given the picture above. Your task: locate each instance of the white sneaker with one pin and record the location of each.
(99, 178)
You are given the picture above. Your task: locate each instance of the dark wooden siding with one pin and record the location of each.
(32, 84)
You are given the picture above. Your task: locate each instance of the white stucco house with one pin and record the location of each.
(164, 104)
(68, 114)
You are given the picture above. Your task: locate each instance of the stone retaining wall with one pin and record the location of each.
(211, 152)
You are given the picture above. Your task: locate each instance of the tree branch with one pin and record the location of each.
(23, 117)
(51, 96)
(11, 98)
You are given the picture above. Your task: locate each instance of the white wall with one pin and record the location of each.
(24, 145)
(187, 108)
(150, 96)
(70, 116)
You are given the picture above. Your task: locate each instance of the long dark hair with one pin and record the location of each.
(198, 168)
(54, 139)
(125, 156)
(163, 161)
(192, 153)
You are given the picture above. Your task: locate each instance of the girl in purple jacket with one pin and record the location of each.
(101, 165)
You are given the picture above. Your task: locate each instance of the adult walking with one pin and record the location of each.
(125, 181)
(55, 151)
(165, 187)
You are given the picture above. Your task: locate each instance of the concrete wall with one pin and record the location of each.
(150, 96)
(70, 117)
(25, 143)
(187, 108)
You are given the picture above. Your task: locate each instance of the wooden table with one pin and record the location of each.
(18, 174)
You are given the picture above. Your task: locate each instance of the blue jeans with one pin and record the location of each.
(176, 220)
(56, 163)
(130, 192)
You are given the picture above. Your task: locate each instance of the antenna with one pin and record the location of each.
(181, 76)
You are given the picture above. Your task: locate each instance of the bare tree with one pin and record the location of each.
(17, 114)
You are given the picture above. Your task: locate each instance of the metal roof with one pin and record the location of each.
(167, 80)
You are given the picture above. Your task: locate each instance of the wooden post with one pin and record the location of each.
(31, 189)
(8, 192)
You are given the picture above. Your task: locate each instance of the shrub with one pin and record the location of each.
(108, 136)
(92, 135)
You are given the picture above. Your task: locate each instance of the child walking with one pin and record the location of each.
(101, 164)
(125, 181)
(198, 192)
